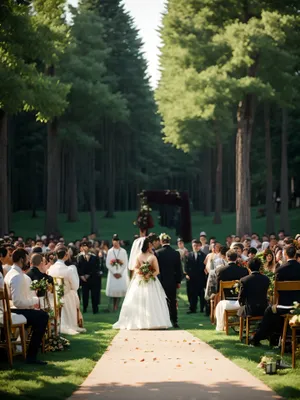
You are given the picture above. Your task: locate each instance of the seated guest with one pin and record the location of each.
(269, 261)
(252, 252)
(253, 291)
(24, 303)
(272, 322)
(37, 271)
(69, 322)
(5, 260)
(231, 272)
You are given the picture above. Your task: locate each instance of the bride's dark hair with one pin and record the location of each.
(145, 247)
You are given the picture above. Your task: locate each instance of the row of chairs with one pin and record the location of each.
(13, 334)
(246, 323)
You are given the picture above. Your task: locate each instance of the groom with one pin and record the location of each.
(170, 274)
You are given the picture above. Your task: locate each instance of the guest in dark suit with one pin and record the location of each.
(90, 276)
(253, 296)
(272, 322)
(230, 272)
(170, 274)
(196, 277)
(36, 272)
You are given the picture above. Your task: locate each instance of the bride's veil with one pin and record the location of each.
(135, 252)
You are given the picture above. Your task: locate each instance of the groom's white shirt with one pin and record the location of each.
(135, 251)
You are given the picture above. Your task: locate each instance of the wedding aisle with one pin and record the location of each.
(167, 365)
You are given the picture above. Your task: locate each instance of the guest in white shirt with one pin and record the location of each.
(69, 323)
(26, 304)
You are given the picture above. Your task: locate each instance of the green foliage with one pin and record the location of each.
(23, 47)
(214, 55)
(85, 66)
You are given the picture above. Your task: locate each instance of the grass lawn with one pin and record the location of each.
(67, 370)
(122, 224)
(286, 383)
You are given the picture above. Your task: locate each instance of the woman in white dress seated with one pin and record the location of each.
(145, 305)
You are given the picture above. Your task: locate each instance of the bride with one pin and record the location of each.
(145, 304)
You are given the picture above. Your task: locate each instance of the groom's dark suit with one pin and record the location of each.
(170, 276)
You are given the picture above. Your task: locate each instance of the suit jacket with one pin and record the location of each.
(195, 269)
(230, 272)
(36, 275)
(288, 272)
(91, 267)
(170, 267)
(253, 294)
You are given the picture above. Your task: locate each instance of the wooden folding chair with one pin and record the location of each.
(285, 286)
(228, 313)
(7, 325)
(246, 328)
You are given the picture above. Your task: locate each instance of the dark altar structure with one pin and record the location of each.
(174, 209)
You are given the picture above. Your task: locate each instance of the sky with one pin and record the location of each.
(147, 15)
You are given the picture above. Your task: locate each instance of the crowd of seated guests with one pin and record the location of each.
(256, 264)
(25, 261)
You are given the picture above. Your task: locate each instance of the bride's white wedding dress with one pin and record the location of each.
(145, 305)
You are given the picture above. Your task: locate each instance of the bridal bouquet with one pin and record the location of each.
(116, 263)
(146, 272)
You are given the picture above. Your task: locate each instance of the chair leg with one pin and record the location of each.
(226, 323)
(247, 330)
(241, 328)
(294, 345)
(284, 333)
(23, 340)
(9, 346)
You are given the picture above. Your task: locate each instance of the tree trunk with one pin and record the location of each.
(53, 173)
(94, 226)
(219, 176)
(270, 226)
(72, 185)
(206, 179)
(245, 119)
(111, 181)
(284, 181)
(3, 175)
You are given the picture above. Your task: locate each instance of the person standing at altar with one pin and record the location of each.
(117, 265)
(170, 274)
(69, 322)
(90, 278)
(195, 277)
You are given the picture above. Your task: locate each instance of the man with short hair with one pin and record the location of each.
(90, 276)
(154, 239)
(170, 274)
(253, 295)
(252, 253)
(37, 272)
(25, 304)
(231, 272)
(196, 277)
